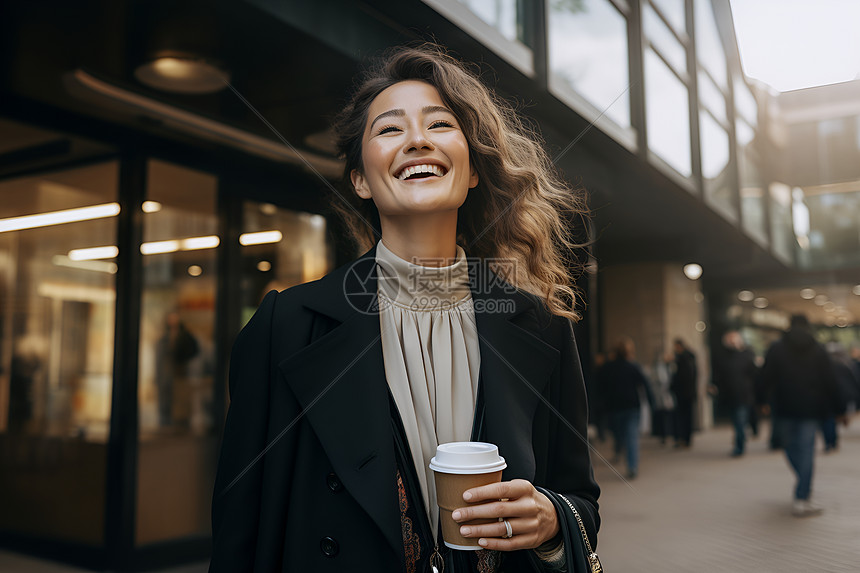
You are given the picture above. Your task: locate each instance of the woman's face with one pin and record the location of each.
(415, 156)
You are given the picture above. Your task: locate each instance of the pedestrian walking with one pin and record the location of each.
(622, 383)
(798, 376)
(734, 376)
(664, 402)
(685, 387)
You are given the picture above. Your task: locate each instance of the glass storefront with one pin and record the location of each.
(177, 442)
(57, 301)
(500, 14)
(68, 474)
(781, 230)
(587, 43)
(719, 190)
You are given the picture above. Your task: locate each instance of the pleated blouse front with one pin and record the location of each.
(431, 354)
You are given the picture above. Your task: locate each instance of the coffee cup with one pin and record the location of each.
(459, 466)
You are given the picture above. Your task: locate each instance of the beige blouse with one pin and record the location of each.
(431, 354)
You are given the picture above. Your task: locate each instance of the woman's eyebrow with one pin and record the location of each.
(401, 113)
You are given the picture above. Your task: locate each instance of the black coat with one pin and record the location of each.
(799, 379)
(685, 380)
(735, 375)
(621, 384)
(306, 477)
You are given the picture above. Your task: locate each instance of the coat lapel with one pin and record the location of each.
(516, 366)
(339, 379)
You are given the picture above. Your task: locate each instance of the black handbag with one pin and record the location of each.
(579, 556)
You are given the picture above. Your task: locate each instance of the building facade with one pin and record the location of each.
(164, 164)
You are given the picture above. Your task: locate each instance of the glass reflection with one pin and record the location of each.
(782, 235)
(177, 335)
(667, 114)
(709, 47)
(834, 240)
(715, 160)
(673, 10)
(300, 251)
(751, 184)
(56, 356)
(500, 14)
(712, 97)
(664, 40)
(588, 54)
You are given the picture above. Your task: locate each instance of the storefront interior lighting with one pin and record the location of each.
(760, 302)
(151, 207)
(693, 271)
(195, 270)
(821, 299)
(264, 266)
(59, 217)
(807, 294)
(746, 296)
(260, 238)
(98, 266)
(93, 253)
(159, 247)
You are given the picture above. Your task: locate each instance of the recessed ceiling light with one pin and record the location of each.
(807, 294)
(693, 271)
(760, 302)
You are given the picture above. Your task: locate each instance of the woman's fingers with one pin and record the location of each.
(499, 490)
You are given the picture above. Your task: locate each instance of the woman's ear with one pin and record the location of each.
(473, 176)
(360, 184)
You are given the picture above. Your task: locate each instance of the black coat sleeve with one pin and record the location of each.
(569, 466)
(238, 484)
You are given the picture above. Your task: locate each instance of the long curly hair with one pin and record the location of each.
(520, 217)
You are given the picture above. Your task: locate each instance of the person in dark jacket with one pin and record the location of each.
(685, 388)
(734, 377)
(799, 378)
(622, 382)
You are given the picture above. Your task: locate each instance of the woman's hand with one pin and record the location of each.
(530, 514)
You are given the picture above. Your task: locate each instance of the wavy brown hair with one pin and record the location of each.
(521, 210)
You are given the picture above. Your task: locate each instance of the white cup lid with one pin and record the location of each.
(467, 458)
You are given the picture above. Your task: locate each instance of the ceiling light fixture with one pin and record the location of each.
(693, 271)
(183, 74)
(59, 217)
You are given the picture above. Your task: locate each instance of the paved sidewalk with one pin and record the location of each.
(701, 511)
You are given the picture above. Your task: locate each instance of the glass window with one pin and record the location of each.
(280, 249)
(588, 55)
(664, 40)
(667, 114)
(500, 14)
(745, 103)
(709, 47)
(57, 308)
(782, 235)
(715, 160)
(833, 220)
(751, 184)
(711, 97)
(177, 333)
(673, 10)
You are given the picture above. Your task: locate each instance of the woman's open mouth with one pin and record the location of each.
(421, 172)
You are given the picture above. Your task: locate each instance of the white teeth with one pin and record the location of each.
(431, 169)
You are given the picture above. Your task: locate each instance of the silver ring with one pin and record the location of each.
(508, 529)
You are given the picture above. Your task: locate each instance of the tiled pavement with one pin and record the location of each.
(700, 511)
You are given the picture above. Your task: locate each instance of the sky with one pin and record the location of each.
(795, 44)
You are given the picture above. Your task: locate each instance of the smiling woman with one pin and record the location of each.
(342, 389)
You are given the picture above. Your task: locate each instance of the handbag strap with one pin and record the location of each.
(579, 555)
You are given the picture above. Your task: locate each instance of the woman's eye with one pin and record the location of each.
(388, 129)
(441, 123)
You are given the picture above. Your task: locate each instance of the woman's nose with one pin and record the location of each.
(418, 140)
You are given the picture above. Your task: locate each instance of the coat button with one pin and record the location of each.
(329, 546)
(333, 483)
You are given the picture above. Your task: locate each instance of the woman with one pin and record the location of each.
(342, 388)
